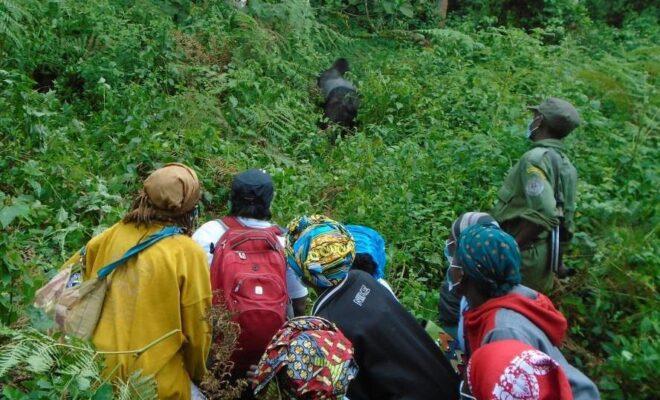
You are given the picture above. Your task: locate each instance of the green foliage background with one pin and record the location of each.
(94, 95)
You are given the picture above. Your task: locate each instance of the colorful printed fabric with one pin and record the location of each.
(320, 250)
(491, 256)
(297, 226)
(310, 359)
(509, 369)
(368, 241)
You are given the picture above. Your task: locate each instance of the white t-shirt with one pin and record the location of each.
(208, 235)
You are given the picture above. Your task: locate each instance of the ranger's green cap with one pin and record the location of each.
(559, 114)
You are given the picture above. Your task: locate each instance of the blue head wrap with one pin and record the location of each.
(368, 241)
(491, 257)
(320, 250)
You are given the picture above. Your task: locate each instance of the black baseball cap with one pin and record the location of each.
(252, 186)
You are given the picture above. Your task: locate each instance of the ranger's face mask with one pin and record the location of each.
(450, 248)
(533, 126)
(455, 274)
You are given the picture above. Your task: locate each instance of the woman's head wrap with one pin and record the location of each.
(173, 189)
(468, 219)
(510, 369)
(462, 223)
(168, 193)
(309, 358)
(368, 241)
(297, 226)
(491, 257)
(320, 250)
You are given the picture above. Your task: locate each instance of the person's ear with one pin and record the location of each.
(537, 122)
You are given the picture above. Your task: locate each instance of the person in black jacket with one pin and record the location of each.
(396, 358)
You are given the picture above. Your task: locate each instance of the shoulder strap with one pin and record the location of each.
(232, 223)
(235, 223)
(276, 229)
(152, 239)
(558, 189)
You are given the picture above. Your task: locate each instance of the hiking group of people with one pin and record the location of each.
(358, 341)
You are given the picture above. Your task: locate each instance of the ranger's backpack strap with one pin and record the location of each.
(558, 188)
(556, 233)
(153, 239)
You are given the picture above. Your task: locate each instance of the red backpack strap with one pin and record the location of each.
(228, 223)
(232, 223)
(276, 229)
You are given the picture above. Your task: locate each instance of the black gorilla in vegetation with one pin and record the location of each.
(341, 99)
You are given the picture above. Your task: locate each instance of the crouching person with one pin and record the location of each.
(397, 359)
(159, 297)
(308, 359)
(487, 272)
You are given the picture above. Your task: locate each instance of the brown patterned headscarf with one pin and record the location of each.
(169, 194)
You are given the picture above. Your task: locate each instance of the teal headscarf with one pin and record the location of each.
(491, 257)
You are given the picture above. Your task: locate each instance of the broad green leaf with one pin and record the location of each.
(407, 10)
(9, 213)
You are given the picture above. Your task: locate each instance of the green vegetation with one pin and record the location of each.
(95, 94)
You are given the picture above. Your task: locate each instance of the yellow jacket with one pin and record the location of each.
(163, 288)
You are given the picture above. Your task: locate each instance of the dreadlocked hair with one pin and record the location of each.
(143, 212)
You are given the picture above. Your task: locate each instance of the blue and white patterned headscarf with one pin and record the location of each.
(369, 241)
(490, 256)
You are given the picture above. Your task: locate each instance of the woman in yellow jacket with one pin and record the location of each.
(165, 289)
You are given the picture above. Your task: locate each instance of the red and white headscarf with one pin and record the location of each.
(512, 370)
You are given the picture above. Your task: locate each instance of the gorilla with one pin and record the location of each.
(341, 99)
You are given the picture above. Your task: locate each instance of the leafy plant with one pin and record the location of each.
(12, 16)
(38, 366)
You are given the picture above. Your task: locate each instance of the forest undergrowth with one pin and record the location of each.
(94, 95)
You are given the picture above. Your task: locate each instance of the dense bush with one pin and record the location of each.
(526, 14)
(94, 95)
(384, 13)
(615, 11)
(531, 14)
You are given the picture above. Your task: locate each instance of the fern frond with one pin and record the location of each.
(137, 387)
(13, 17)
(12, 355)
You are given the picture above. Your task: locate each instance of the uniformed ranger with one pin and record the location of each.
(536, 204)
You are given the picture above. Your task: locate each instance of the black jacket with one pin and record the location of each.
(396, 357)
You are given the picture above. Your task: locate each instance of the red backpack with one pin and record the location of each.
(249, 270)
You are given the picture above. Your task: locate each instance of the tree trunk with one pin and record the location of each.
(442, 9)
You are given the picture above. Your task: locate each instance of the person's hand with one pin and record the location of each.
(252, 375)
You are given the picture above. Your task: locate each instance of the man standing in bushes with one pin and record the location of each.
(536, 203)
